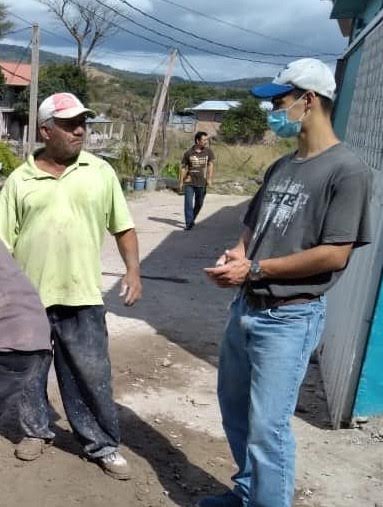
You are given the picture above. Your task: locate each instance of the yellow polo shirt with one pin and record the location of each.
(55, 227)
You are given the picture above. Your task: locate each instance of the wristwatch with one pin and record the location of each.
(255, 273)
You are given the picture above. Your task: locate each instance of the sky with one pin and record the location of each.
(262, 35)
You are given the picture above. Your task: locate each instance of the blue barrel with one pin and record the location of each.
(139, 183)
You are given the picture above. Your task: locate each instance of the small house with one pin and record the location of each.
(17, 78)
(209, 114)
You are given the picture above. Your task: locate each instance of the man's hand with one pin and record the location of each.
(131, 288)
(234, 254)
(209, 183)
(231, 269)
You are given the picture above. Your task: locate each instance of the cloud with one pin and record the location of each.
(293, 27)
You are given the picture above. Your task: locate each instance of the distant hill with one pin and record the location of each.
(243, 84)
(15, 53)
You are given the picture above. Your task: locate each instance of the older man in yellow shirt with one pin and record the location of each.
(54, 211)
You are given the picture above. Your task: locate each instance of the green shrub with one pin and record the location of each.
(8, 160)
(171, 170)
(125, 165)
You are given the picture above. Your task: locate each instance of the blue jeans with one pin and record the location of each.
(263, 360)
(194, 198)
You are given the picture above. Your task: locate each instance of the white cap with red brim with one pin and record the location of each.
(62, 105)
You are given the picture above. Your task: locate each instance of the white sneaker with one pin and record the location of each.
(115, 465)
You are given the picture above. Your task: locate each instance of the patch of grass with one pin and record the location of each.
(239, 169)
(8, 159)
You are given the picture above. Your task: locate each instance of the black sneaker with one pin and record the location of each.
(228, 499)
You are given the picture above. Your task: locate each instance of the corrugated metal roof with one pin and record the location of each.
(16, 74)
(216, 105)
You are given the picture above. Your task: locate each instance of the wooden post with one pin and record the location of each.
(160, 107)
(34, 88)
(25, 142)
(122, 130)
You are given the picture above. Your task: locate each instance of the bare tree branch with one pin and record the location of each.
(88, 22)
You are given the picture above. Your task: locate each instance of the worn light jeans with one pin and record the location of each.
(263, 360)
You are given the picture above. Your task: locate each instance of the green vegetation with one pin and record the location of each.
(126, 165)
(55, 78)
(171, 170)
(245, 124)
(5, 24)
(63, 77)
(8, 160)
(184, 95)
(239, 168)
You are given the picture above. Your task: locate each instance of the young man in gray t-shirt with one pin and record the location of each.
(300, 230)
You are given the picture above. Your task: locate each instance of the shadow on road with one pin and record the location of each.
(193, 313)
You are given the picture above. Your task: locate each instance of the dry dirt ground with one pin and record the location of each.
(164, 355)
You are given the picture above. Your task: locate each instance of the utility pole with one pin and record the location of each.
(160, 108)
(34, 88)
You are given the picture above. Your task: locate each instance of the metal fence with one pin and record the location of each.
(352, 301)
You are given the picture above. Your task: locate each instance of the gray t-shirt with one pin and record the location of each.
(304, 203)
(24, 325)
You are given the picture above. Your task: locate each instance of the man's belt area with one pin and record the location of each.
(267, 301)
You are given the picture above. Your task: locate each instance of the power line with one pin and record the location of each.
(23, 55)
(159, 64)
(210, 41)
(153, 41)
(14, 74)
(187, 74)
(17, 31)
(243, 29)
(193, 68)
(201, 50)
(42, 29)
(53, 34)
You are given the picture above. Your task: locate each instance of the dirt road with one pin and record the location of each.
(164, 355)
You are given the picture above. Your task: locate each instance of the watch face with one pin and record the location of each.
(255, 273)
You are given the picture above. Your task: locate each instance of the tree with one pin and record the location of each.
(5, 24)
(63, 77)
(87, 21)
(183, 95)
(246, 123)
(55, 78)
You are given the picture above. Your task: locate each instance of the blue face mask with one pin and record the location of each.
(280, 123)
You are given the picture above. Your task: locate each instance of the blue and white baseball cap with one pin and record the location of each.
(306, 73)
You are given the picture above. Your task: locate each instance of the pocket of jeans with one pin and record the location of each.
(289, 313)
(320, 328)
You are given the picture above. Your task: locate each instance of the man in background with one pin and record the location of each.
(196, 174)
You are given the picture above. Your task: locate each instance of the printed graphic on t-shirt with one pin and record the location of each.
(198, 163)
(282, 201)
